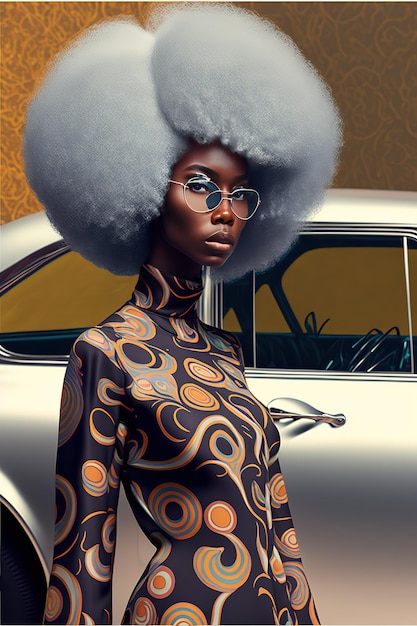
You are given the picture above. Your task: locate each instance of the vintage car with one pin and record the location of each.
(329, 336)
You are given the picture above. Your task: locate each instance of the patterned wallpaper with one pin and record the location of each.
(366, 52)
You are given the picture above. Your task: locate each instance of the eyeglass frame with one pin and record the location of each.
(224, 195)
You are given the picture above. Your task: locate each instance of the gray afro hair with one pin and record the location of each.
(120, 106)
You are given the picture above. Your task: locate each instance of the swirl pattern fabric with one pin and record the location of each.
(157, 400)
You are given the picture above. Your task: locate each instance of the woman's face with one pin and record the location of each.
(187, 240)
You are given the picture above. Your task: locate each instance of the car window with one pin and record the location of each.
(44, 312)
(333, 303)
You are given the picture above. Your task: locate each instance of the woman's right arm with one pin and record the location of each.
(89, 462)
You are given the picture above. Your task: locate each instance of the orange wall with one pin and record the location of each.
(366, 52)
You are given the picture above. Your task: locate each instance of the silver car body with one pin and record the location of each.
(352, 489)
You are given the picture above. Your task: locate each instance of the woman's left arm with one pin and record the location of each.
(89, 463)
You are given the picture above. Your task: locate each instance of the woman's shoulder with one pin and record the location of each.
(223, 339)
(129, 321)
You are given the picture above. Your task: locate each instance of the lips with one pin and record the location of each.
(222, 237)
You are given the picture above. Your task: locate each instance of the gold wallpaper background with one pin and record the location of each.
(365, 51)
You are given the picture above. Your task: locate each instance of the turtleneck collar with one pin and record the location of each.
(165, 294)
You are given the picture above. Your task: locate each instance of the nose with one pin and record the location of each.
(223, 213)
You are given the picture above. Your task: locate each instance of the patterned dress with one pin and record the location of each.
(157, 400)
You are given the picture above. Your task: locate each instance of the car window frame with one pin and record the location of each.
(402, 231)
(15, 274)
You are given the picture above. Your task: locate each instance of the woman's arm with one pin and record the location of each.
(89, 462)
(287, 558)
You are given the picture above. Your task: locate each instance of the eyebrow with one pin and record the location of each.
(211, 173)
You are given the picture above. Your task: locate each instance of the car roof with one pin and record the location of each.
(27, 234)
(368, 206)
(24, 236)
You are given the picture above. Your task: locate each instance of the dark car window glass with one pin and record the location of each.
(348, 291)
(44, 312)
(238, 307)
(333, 303)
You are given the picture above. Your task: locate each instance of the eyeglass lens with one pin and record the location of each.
(204, 195)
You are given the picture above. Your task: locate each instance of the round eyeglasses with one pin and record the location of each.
(202, 195)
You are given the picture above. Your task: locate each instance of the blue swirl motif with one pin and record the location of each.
(185, 334)
(139, 327)
(144, 613)
(235, 379)
(216, 341)
(243, 407)
(183, 527)
(231, 462)
(100, 415)
(108, 533)
(153, 380)
(288, 544)
(144, 299)
(136, 451)
(72, 403)
(184, 614)
(64, 524)
(221, 518)
(204, 373)
(98, 339)
(134, 324)
(104, 386)
(189, 451)
(224, 578)
(163, 286)
(297, 584)
(54, 601)
(156, 291)
(95, 567)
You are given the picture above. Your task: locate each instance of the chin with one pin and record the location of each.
(216, 261)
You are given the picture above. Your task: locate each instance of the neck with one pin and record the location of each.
(169, 260)
(167, 295)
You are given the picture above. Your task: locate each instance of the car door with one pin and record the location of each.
(46, 299)
(331, 326)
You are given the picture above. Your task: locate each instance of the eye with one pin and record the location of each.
(201, 184)
(240, 193)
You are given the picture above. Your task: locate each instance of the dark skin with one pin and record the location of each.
(184, 241)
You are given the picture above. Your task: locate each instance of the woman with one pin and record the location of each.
(162, 152)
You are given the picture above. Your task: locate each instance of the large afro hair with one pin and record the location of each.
(120, 105)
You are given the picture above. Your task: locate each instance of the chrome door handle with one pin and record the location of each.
(297, 409)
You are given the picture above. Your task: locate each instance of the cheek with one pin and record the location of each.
(181, 226)
(176, 214)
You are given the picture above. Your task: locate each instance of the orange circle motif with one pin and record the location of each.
(184, 614)
(94, 478)
(278, 491)
(144, 612)
(202, 372)
(190, 519)
(220, 517)
(54, 604)
(161, 583)
(198, 398)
